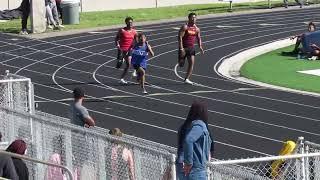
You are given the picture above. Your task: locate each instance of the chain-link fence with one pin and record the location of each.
(312, 164)
(90, 154)
(16, 92)
(137, 140)
(289, 167)
(55, 171)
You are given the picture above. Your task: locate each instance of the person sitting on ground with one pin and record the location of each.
(311, 28)
(19, 147)
(299, 2)
(80, 114)
(315, 54)
(122, 163)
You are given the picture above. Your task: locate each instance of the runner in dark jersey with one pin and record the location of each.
(188, 34)
(124, 41)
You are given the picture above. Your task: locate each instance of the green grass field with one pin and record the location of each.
(105, 18)
(273, 68)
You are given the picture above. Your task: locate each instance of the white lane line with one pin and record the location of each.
(89, 52)
(269, 24)
(227, 26)
(228, 102)
(223, 19)
(248, 119)
(312, 119)
(65, 78)
(167, 32)
(112, 42)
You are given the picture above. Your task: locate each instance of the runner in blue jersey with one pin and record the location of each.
(140, 54)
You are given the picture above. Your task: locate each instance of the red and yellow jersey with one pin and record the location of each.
(189, 37)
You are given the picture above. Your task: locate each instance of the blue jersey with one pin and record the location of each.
(140, 55)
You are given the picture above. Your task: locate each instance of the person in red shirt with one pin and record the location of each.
(124, 42)
(188, 33)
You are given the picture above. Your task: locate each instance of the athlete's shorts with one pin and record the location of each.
(121, 56)
(137, 66)
(188, 52)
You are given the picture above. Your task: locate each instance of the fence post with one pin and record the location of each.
(307, 161)
(68, 149)
(302, 162)
(156, 3)
(11, 131)
(30, 104)
(230, 6)
(101, 158)
(173, 168)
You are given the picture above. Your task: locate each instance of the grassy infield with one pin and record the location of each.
(105, 18)
(273, 68)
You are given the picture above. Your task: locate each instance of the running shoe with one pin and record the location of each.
(134, 73)
(187, 81)
(144, 92)
(122, 81)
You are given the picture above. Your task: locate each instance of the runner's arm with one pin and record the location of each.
(150, 49)
(199, 40)
(89, 121)
(181, 34)
(117, 39)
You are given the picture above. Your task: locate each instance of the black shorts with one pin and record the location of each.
(123, 54)
(188, 53)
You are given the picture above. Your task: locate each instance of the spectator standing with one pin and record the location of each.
(25, 8)
(52, 14)
(80, 114)
(122, 163)
(194, 144)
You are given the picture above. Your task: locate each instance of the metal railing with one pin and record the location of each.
(66, 169)
(86, 151)
(264, 168)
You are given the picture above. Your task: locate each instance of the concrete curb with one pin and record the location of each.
(78, 31)
(230, 68)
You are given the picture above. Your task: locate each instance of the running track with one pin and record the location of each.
(246, 120)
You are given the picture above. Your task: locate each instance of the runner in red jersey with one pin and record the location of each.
(124, 42)
(188, 34)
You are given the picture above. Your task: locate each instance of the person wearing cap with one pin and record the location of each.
(80, 114)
